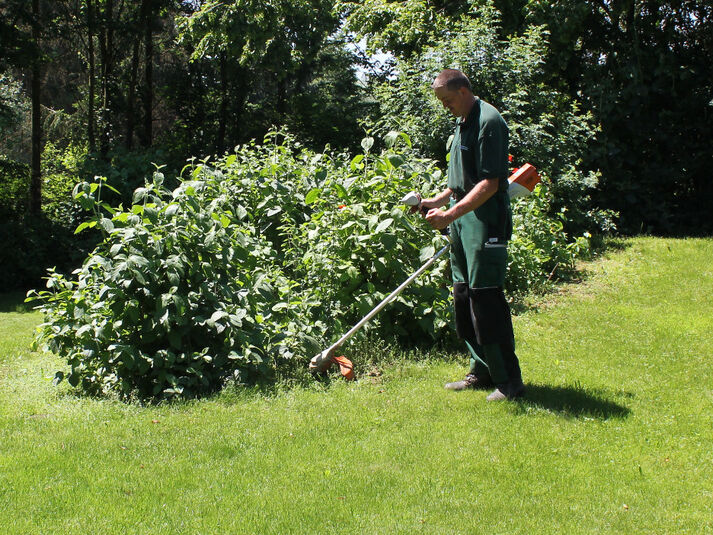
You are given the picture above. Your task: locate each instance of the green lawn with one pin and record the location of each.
(614, 436)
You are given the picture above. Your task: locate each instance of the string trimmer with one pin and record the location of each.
(522, 183)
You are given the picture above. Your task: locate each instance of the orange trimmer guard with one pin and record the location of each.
(346, 368)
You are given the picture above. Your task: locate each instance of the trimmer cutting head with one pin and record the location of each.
(324, 360)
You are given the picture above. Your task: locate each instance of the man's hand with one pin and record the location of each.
(424, 206)
(438, 219)
(430, 207)
(475, 198)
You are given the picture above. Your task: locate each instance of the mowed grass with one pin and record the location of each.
(615, 434)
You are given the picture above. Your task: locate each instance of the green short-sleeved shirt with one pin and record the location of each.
(479, 150)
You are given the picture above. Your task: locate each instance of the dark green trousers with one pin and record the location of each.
(481, 266)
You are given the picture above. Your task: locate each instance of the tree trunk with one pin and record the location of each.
(147, 8)
(281, 99)
(36, 178)
(223, 113)
(92, 89)
(131, 99)
(106, 44)
(239, 96)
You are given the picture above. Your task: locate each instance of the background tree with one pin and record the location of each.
(272, 63)
(36, 180)
(547, 128)
(643, 68)
(127, 83)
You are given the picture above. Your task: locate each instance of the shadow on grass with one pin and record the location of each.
(571, 401)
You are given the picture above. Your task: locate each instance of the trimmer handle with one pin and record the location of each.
(413, 198)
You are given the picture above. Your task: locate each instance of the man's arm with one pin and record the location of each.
(439, 200)
(475, 198)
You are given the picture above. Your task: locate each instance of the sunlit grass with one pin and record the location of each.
(614, 436)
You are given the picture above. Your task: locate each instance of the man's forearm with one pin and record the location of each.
(440, 219)
(439, 200)
(475, 198)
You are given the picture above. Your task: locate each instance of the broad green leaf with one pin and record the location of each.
(356, 162)
(86, 224)
(396, 160)
(367, 143)
(390, 138)
(312, 196)
(139, 195)
(320, 175)
(151, 214)
(83, 330)
(386, 223)
(106, 185)
(138, 260)
(240, 212)
(139, 276)
(341, 191)
(111, 210)
(218, 315)
(426, 253)
(106, 224)
(86, 202)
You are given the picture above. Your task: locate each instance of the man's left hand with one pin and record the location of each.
(438, 219)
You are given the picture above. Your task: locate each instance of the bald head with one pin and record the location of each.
(452, 80)
(453, 89)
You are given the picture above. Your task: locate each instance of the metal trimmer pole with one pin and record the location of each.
(322, 361)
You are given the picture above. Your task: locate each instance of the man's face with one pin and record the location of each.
(458, 102)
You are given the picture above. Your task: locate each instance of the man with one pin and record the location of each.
(480, 221)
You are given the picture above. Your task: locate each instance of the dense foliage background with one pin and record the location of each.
(293, 107)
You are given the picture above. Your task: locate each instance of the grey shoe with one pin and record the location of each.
(507, 391)
(470, 381)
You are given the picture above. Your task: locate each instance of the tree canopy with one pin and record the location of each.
(611, 99)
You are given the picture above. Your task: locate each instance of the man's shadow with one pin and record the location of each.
(572, 401)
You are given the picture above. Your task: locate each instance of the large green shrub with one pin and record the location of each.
(179, 295)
